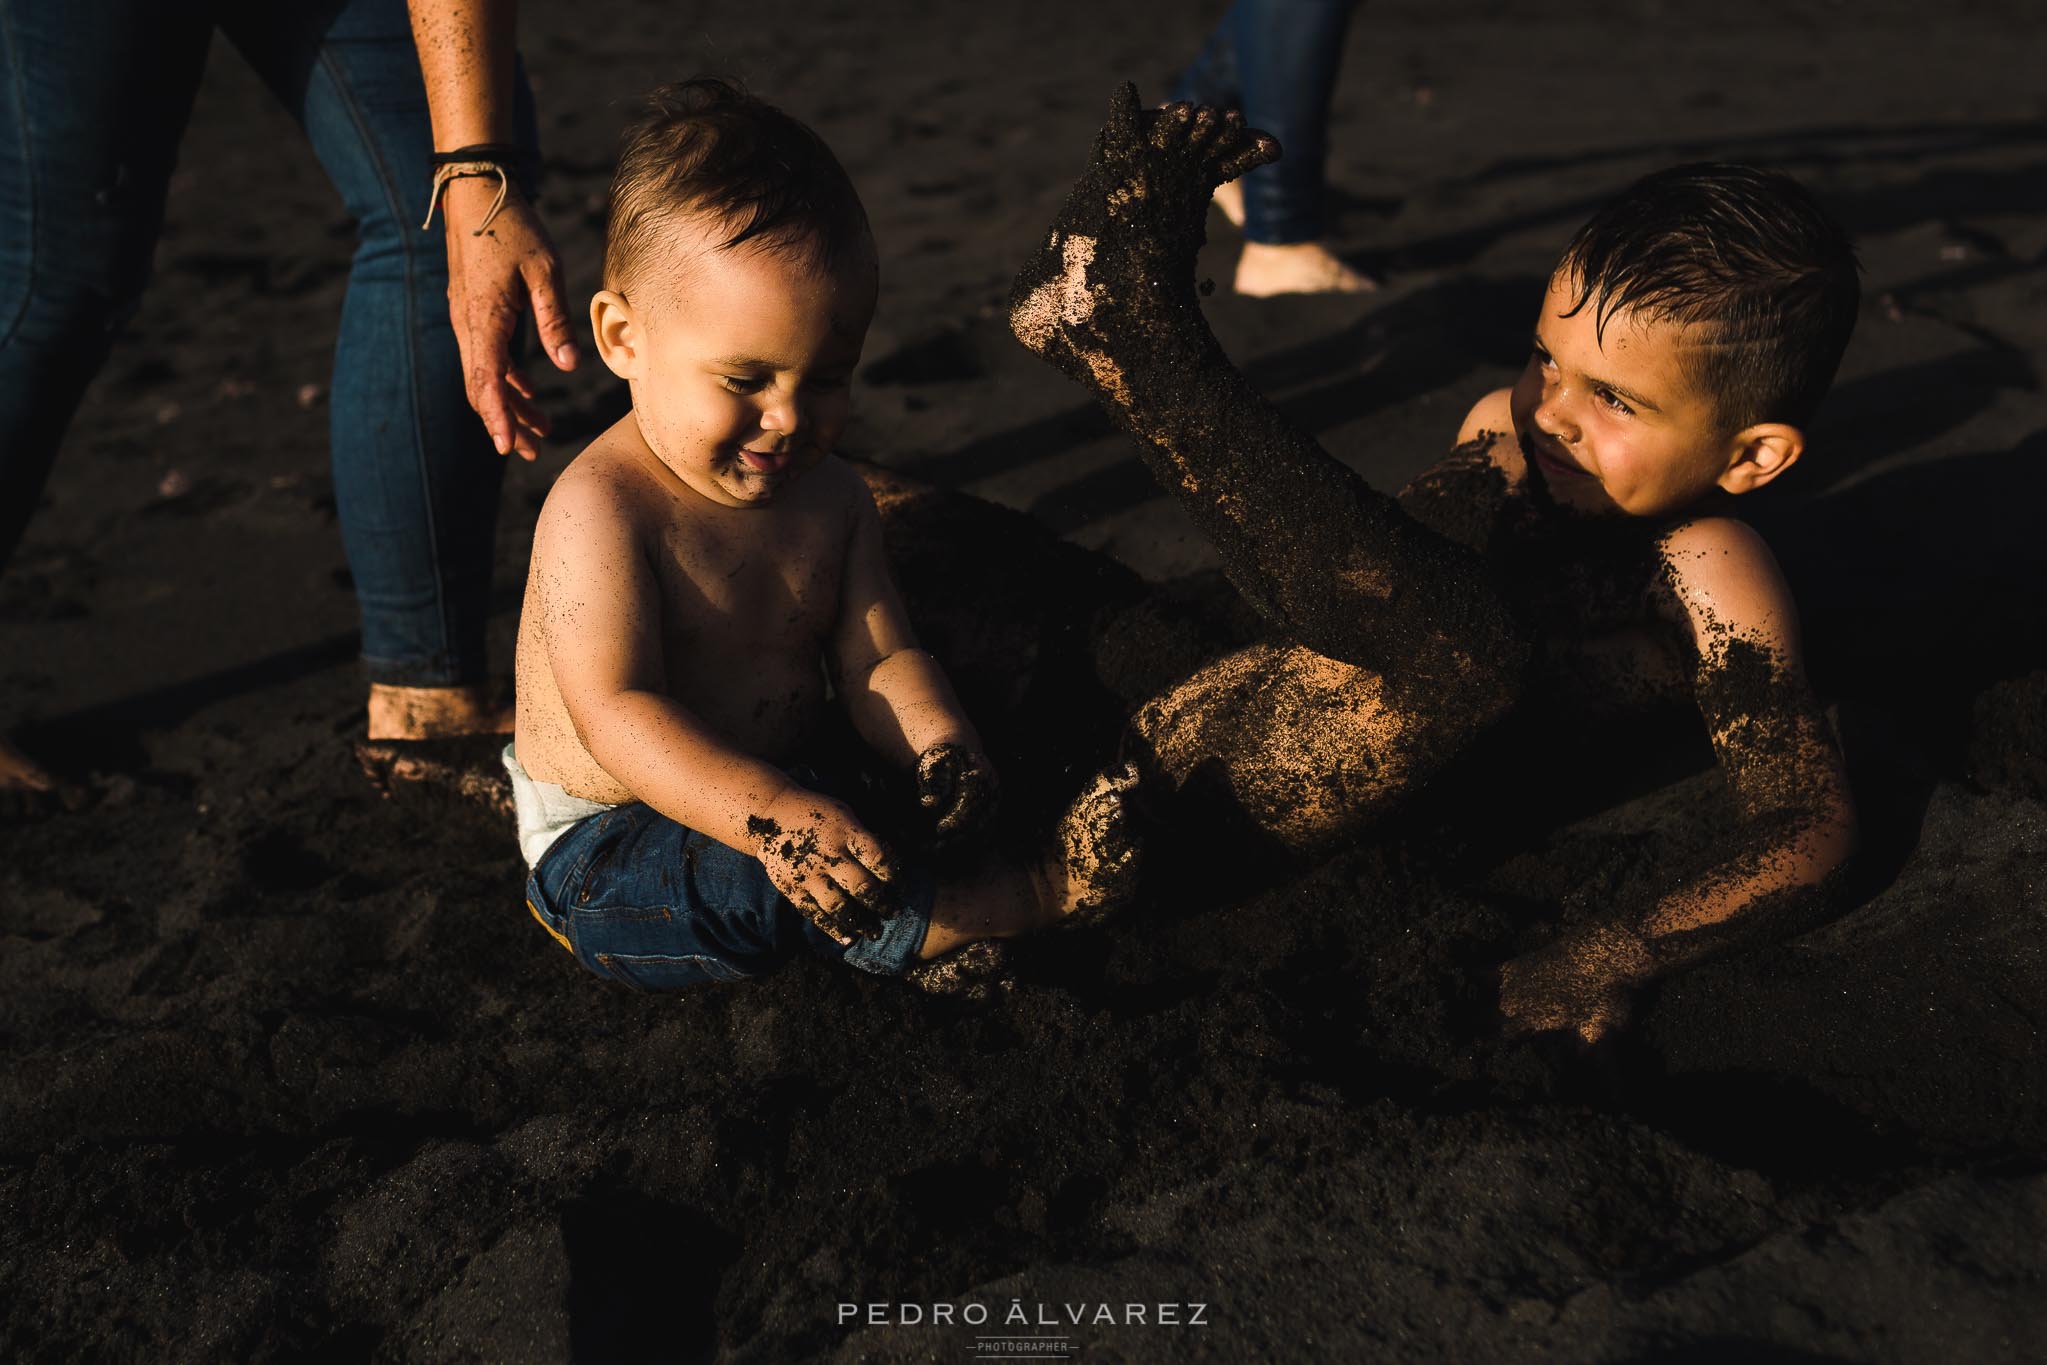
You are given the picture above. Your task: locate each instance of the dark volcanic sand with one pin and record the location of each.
(289, 1073)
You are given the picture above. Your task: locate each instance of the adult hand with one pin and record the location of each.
(493, 276)
(825, 861)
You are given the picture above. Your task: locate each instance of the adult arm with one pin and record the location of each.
(466, 50)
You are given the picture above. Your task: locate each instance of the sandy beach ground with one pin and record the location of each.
(287, 1073)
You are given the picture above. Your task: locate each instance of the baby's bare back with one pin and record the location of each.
(747, 600)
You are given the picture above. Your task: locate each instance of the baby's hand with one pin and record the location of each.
(958, 785)
(1581, 983)
(826, 862)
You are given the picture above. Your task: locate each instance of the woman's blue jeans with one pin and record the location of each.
(1276, 60)
(94, 96)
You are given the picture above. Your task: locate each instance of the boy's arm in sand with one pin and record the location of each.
(1797, 823)
(466, 53)
(897, 695)
(600, 606)
(1460, 494)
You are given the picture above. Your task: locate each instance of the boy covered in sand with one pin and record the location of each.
(1573, 554)
(707, 573)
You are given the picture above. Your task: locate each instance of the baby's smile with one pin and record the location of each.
(765, 461)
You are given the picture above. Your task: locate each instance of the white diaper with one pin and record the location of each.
(545, 810)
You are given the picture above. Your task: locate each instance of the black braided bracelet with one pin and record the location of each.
(504, 152)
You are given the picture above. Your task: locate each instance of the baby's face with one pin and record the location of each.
(1616, 427)
(747, 364)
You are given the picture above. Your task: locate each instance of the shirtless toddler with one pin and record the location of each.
(708, 576)
(1574, 553)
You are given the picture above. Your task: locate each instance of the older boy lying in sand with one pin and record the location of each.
(1571, 554)
(698, 571)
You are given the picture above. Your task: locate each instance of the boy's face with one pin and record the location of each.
(742, 362)
(1617, 427)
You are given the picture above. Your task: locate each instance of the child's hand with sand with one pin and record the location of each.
(819, 855)
(957, 786)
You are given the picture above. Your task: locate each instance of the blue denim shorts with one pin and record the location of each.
(656, 906)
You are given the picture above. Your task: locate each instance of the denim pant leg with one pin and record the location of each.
(415, 476)
(1276, 60)
(648, 903)
(94, 95)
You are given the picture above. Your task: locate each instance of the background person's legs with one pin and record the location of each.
(94, 95)
(415, 477)
(1277, 61)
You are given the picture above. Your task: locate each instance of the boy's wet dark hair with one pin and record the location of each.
(708, 146)
(1748, 254)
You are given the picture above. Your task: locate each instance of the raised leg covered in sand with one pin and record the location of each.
(1397, 648)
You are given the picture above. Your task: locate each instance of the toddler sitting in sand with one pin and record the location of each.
(708, 574)
(1573, 553)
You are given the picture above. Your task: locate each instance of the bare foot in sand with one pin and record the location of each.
(1268, 268)
(446, 738)
(435, 712)
(1115, 275)
(973, 972)
(467, 767)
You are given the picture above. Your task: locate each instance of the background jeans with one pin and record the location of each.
(1276, 60)
(94, 96)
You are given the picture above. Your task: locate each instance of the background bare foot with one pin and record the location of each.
(436, 712)
(1266, 269)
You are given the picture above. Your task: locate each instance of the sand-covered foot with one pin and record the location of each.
(971, 973)
(1115, 276)
(1265, 270)
(1096, 854)
(445, 739)
(469, 768)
